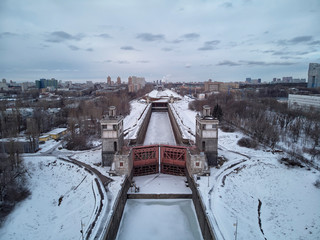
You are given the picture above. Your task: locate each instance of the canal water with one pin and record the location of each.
(146, 219)
(159, 130)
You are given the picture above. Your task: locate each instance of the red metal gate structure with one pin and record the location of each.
(145, 160)
(173, 160)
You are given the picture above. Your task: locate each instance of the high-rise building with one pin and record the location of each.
(47, 83)
(136, 83)
(314, 75)
(118, 80)
(109, 80)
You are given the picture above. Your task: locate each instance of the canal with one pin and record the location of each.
(159, 130)
(158, 219)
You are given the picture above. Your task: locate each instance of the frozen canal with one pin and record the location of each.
(159, 130)
(146, 219)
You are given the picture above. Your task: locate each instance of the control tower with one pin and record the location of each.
(207, 135)
(111, 135)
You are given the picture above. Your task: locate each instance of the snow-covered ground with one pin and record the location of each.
(93, 158)
(253, 179)
(159, 219)
(159, 130)
(41, 216)
(163, 94)
(267, 199)
(253, 186)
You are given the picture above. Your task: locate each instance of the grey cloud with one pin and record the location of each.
(89, 49)
(61, 36)
(314, 43)
(143, 61)
(286, 52)
(108, 61)
(190, 36)
(301, 39)
(8, 34)
(188, 65)
(149, 37)
(177, 41)
(166, 49)
(261, 63)
(227, 5)
(104, 35)
(289, 57)
(253, 63)
(296, 40)
(209, 45)
(206, 65)
(128, 48)
(123, 62)
(228, 63)
(73, 48)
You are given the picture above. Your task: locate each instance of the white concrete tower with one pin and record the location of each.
(111, 135)
(207, 135)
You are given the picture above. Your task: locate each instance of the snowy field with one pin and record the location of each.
(267, 199)
(159, 219)
(161, 183)
(253, 186)
(42, 215)
(159, 130)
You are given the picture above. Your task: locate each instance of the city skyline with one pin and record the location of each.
(168, 40)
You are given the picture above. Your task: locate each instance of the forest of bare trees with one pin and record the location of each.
(13, 187)
(268, 121)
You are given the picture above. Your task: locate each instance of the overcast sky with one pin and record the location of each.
(173, 40)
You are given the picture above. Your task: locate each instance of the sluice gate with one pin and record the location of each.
(147, 160)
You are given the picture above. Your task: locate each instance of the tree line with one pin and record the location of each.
(267, 120)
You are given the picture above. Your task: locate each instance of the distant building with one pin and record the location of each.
(45, 83)
(304, 102)
(90, 84)
(136, 83)
(118, 80)
(314, 75)
(109, 80)
(57, 133)
(287, 79)
(20, 145)
(210, 86)
(248, 80)
(4, 86)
